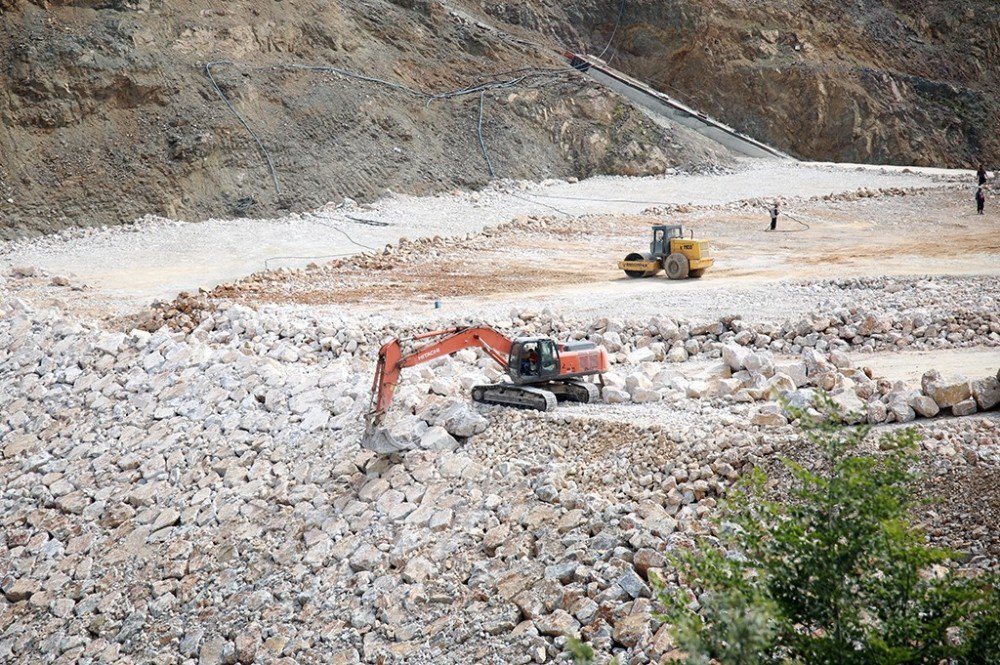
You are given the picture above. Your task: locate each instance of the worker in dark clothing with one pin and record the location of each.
(981, 175)
(774, 216)
(980, 200)
(529, 362)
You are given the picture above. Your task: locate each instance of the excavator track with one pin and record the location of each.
(508, 394)
(575, 391)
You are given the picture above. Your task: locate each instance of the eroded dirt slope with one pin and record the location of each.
(106, 112)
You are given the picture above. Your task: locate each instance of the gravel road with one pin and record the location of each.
(156, 258)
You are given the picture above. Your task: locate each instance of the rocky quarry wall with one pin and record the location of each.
(107, 114)
(883, 81)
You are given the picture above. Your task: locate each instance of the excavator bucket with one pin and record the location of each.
(377, 436)
(379, 439)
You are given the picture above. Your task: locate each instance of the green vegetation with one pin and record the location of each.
(836, 573)
(581, 653)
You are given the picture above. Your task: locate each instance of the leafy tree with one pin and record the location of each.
(835, 573)
(984, 640)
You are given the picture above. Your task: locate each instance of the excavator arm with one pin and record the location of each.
(391, 359)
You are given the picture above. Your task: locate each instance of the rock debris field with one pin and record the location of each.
(183, 482)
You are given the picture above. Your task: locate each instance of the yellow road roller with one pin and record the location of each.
(671, 252)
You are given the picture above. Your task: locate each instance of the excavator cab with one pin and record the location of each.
(533, 360)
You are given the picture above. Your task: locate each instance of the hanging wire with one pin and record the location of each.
(479, 131)
(621, 13)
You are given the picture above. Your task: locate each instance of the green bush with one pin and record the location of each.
(835, 572)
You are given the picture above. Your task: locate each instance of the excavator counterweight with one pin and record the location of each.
(541, 371)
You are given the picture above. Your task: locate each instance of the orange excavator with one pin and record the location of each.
(541, 370)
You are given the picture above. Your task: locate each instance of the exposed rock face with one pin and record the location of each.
(779, 71)
(892, 81)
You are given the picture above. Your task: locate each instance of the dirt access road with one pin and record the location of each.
(570, 264)
(158, 258)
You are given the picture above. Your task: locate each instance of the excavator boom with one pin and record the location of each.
(391, 360)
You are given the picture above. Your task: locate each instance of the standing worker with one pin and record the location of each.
(980, 200)
(981, 175)
(774, 216)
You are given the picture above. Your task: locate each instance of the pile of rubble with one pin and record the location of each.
(753, 361)
(166, 494)
(751, 376)
(182, 495)
(860, 193)
(891, 314)
(390, 257)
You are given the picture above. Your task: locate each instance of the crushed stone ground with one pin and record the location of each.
(185, 483)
